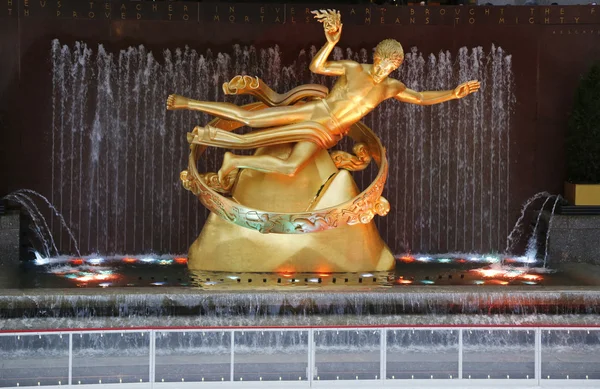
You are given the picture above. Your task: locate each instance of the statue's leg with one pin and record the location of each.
(291, 133)
(300, 155)
(268, 117)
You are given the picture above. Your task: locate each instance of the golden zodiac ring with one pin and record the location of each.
(360, 209)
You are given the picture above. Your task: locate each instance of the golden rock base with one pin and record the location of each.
(224, 246)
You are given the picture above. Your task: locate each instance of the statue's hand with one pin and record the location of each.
(466, 88)
(332, 23)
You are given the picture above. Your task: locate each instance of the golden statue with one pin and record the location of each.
(296, 130)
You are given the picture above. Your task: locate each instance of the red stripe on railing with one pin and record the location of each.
(394, 326)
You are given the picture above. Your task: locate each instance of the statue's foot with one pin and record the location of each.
(176, 102)
(228, 171)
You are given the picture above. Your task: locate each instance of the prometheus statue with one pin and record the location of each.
(316, 124)
(292, 190)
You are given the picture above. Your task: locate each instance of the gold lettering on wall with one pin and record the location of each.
(501, 21)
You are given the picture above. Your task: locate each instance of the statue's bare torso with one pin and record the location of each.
(355, 94)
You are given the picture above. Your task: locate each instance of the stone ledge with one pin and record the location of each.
(573, 238)
(572, 221)
(11, 220)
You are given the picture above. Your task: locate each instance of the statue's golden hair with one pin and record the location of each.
(390, 49)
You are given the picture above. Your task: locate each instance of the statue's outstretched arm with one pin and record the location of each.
(333, 30)
(435, 97)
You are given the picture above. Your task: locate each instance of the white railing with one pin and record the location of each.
(426, 356)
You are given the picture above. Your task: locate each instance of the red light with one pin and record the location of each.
(461, 261)
(324, 275)
(496, 282)
(77, 261)
(407, 259)
(181, 260)
(531, 277)
(129, 260)
(405, 282)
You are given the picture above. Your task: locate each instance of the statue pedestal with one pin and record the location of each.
(224, 246)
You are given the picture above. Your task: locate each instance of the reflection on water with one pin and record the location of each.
(159, 271)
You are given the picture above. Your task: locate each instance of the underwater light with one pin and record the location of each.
(479, 282)
(367, 275)
(39, 260)
(233, 277)
(530, 282)
(404, 282)
(526, 259)
(129, 260)
(313, 280)
(444, 260)
(181, 260)
(147, 260)
(407, 258)
(95, 261)
(427, 282)
(424, 259)
(77, 261)
(492, 259)
(531, 277)
(158, 283)
(105, 284)
(489, 273)
(165, 262)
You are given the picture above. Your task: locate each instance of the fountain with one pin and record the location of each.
(115, 168)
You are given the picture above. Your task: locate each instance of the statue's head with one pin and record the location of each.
(387, 58)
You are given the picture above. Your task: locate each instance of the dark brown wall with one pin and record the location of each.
(551, 48)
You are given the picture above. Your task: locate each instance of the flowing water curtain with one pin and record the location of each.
(117, 153)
